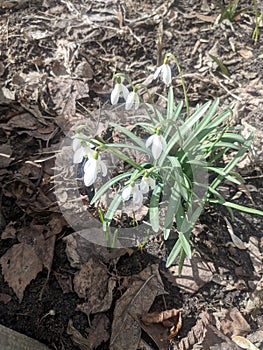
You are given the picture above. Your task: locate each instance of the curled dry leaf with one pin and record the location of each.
(244, 343)
(164, 317)
(236, 240)
(169, 318)
(205, 335)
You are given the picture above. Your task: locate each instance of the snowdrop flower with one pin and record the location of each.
(81, 150)
(133, 191)
(157, 143)
(92, 167)
(165, 70)
(118, 91)
(133, 99)
(146, 183)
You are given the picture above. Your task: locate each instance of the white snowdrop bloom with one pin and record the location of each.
(92, 167)
(157, 143)
(133, 100)
(166, 73)
(119, 90)
(146, 183)
(81, 150)
(134, 192)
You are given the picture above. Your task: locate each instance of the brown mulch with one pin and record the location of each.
(57, 59)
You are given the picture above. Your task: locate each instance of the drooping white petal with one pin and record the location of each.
(167, 74)
(136, 101)
(78, 155)
(137, 196)
(129, 100)
(146, 184)
(126, 193)
(149, 141)
(156, 147)
(125, 91)
(115, 94)
(90, 172)
(157, 72)
(151, 182)
(75, 144)
(144, 187)
(163, 142)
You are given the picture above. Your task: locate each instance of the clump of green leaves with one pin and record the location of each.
(231, 11)
(185, 166)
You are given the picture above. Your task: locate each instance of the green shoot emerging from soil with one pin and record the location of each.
(182, 164)
(231, 11)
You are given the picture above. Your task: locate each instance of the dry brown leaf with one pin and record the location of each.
(255, 302)
(9, 231)
(144, 346)
(79, 248)
(163, 317)
(84, 70)
(158, 334)
(196, 335)
(235, 239)
(81, 342)
(233, 323)
(6, 95)
(42, 242)
(92, 278)
(57, 223)
(195, 274)
(256, 338)
(22, 121)
(169, 318)
(244, 343)
(138, 298)
(206, 336)
(20, 265)
(99, 302)
(255, 254)
(64, 93)
(99, 331)
(65, 282)
(93, 283)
